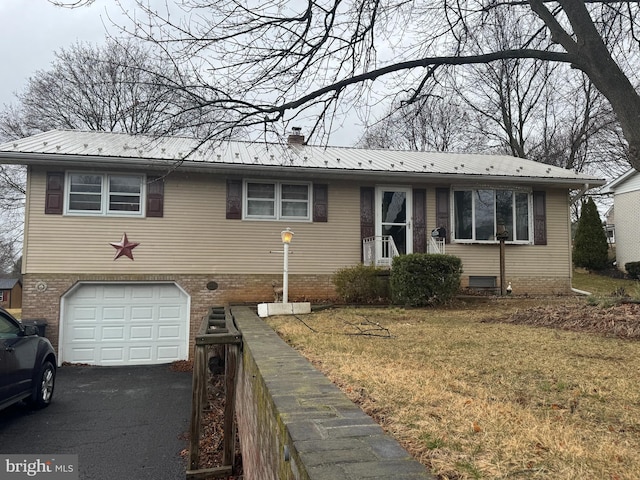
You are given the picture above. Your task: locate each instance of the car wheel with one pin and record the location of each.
(44, 387)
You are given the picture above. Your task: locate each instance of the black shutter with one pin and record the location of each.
(539, 218)
(54, 197)
(419, 220)
(234, 199)
(367, 215)
(320, 202)
(155, 196)
(442, 212)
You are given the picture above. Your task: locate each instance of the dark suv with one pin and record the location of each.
(27, 364)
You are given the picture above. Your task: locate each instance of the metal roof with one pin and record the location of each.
(75, 148)
(8, 283)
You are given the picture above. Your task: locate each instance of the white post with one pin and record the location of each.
(285, 275)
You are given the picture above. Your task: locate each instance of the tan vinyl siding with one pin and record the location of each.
(551, 260)
(193, 236)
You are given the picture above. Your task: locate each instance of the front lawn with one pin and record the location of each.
(471, 398)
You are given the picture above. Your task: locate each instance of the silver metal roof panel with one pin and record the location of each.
(60, 147)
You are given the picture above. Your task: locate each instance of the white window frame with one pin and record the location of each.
(278, 201)
(494, 240)
(105, 195)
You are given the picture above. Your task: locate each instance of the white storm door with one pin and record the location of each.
(393, 217)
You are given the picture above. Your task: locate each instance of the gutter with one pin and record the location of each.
(132, 163)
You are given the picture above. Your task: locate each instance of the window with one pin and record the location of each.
(479, 214)
(277, 200)
(101, 194)
(8, 329)
(3, 296)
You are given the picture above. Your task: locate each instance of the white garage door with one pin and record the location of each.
(125, 324)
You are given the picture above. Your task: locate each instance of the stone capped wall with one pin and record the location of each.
(294, 423)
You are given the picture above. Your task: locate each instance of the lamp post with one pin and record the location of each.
(286, 235)
(502, 234)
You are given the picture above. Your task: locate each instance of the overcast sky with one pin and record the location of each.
(32, 30)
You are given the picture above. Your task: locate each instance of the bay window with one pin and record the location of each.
(481, 213)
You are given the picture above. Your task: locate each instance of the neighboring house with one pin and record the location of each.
(129, 239)
(626, 202)
(10, 293)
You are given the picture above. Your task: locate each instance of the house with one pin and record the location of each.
(130, 239)
(626, 200)
(10, 293)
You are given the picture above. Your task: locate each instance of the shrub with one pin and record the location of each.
(590, 248)
(421, 279)
(361, 284)
(633, 269)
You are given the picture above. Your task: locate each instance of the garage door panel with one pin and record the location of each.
(141, 353)
(167, 352)
(83, 355)
(83, 333)
(88, 292)
(142, 313)
(113, 333)
(169, 313)
(111, 355)
(114, 314)
(113, 292)
(169, 331)
(143, 293)
(125, 324)
(141, 333)
(85, 314)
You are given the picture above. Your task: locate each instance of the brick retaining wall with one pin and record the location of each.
(294, 423)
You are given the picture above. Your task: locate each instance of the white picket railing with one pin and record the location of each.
(379, 250)
(435, 245)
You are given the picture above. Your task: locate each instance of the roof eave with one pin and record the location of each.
(133, 163)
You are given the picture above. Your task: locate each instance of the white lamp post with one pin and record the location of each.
(286, 235)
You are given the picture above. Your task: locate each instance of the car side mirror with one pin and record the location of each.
(30, 330)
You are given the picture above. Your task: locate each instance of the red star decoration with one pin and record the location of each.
(124, 247)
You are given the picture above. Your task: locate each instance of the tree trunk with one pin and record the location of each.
(594, 59)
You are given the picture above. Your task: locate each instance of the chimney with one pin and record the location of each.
(296, 138)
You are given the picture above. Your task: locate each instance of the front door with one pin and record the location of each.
(393, 217)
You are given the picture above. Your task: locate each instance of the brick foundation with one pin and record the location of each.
(42, 293)
(533, 285)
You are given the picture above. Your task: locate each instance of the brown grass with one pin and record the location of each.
(472, 398)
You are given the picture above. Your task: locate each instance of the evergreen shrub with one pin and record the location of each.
(590, 247)
(362, 284)
(421, 279)
(633, 269)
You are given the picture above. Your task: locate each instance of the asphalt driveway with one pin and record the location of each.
(122, 422)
